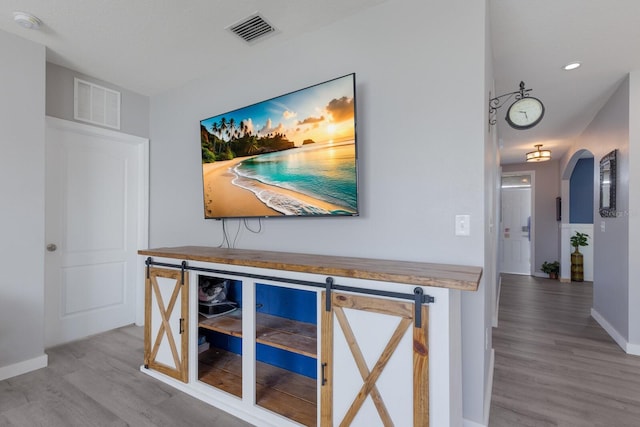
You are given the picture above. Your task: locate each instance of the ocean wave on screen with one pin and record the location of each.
(282, 203)
(249, 175)
(310, 189)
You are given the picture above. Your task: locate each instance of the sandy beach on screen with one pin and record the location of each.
(222, 198)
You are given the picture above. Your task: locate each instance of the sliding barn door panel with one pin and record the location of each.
(166, 317)
(370, 360)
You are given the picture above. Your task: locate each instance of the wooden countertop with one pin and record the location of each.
(466, 278)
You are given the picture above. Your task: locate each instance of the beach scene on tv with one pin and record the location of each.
(290, 155)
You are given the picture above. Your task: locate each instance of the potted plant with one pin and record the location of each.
(577, 266)
(551, 268)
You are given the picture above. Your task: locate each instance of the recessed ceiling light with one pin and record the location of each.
(571, 66)
(26, 20)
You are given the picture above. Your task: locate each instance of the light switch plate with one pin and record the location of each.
(463, 224)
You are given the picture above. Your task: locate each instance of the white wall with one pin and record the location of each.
(609, 130)
(422, 96)
(22, 90)
(634, 213)
(491, 243)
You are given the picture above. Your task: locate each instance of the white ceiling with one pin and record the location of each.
(150, 46)
(533, 40)
(165, 44)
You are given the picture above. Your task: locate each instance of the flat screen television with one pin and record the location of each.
(293, 155)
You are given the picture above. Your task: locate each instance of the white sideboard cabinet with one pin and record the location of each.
(315, 340)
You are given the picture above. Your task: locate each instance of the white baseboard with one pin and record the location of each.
(617, 337)
(629, 348)
(496, 310)
(23, 367)
(489, 391)
(633, 349)
(469, 423)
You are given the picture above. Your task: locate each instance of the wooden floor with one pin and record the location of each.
(554, 365)
(97, 382)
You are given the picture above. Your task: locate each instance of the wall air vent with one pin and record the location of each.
(252, 28)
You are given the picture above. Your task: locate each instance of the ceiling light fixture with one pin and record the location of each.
(571, 66)
(27, 20)
(538, 155)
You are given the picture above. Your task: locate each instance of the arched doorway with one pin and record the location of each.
(577, 190)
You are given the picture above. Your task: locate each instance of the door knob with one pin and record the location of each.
(51, 247)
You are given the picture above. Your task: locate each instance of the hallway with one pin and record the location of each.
(554, 365)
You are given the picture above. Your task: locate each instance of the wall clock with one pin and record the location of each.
(525, 113)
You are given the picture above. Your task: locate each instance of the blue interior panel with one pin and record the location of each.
(285, 302)
(289, 303)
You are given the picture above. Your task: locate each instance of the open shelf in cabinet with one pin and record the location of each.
(278, 390)
(285, 334)
(221, 369)
(285, 351)
(286, 393)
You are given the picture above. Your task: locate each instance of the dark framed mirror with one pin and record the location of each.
(608, 185)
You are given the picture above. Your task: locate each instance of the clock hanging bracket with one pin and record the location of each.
(499, 101)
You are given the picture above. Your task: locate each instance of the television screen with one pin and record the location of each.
(293, 155)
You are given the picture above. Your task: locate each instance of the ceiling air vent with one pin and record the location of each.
(252, 28)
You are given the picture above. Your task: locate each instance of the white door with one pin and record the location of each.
(516, 224)
(95, 221)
